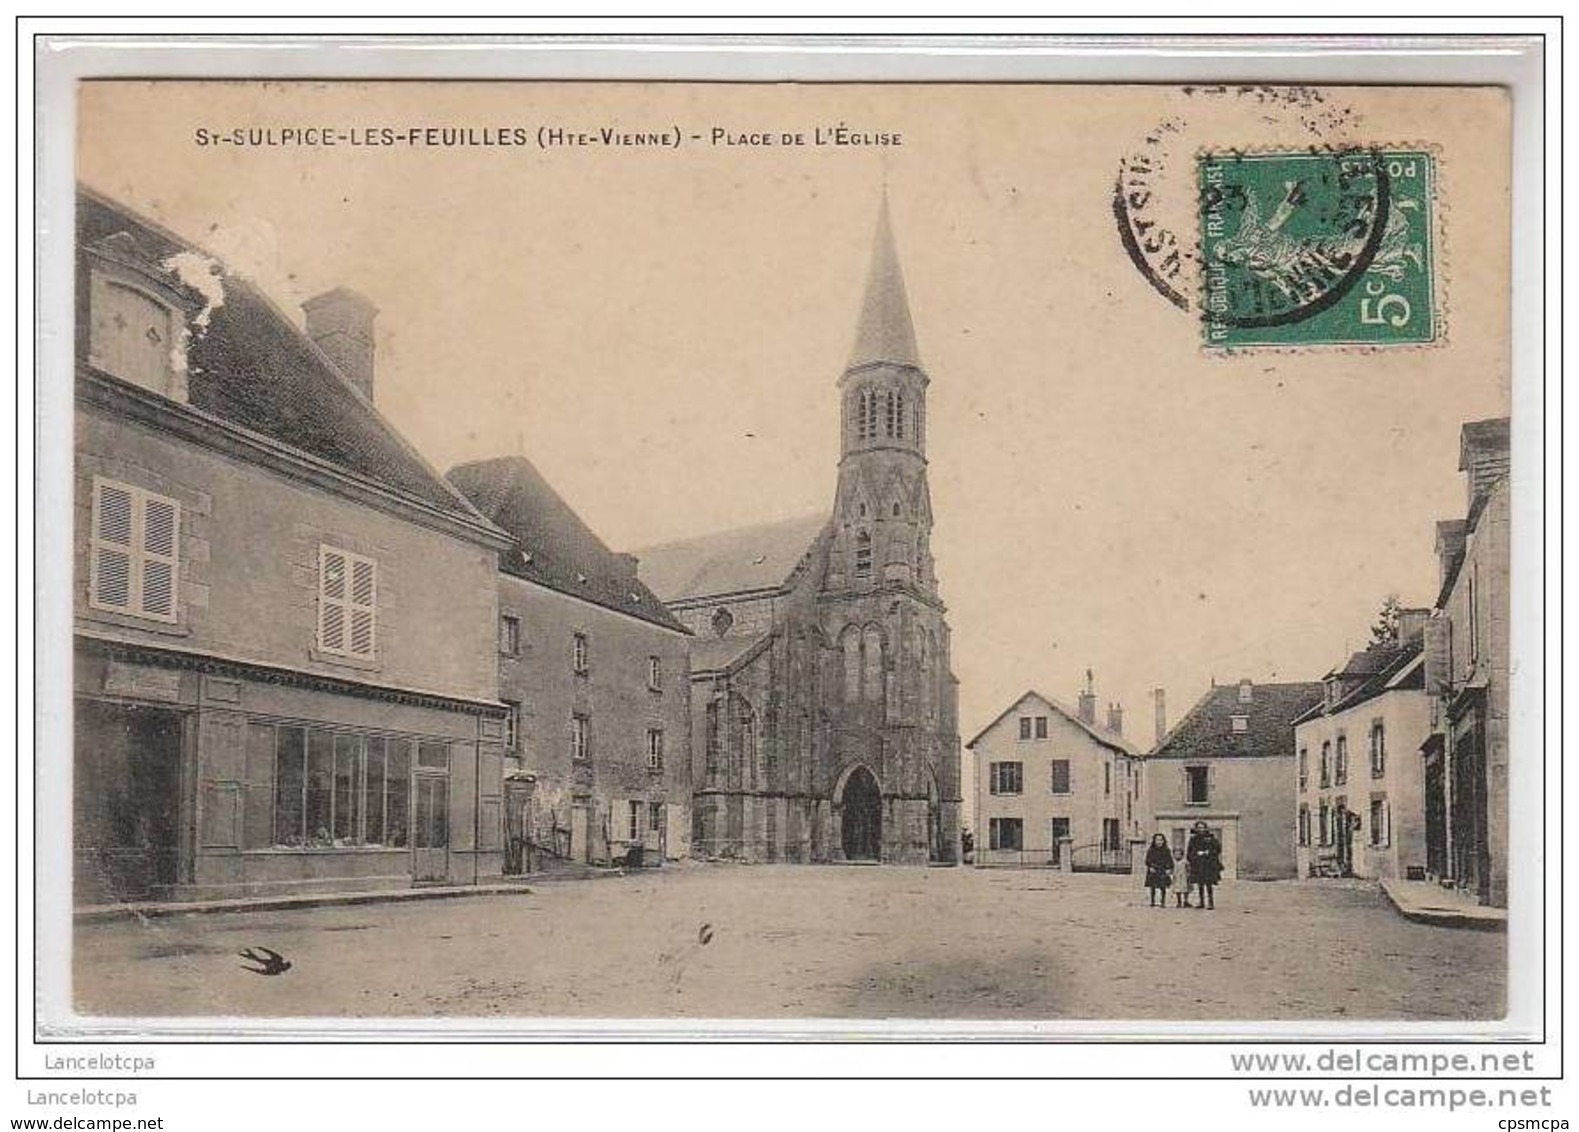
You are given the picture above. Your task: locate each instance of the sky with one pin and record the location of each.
(660, 330)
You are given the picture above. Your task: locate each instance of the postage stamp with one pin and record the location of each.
(1317, 248)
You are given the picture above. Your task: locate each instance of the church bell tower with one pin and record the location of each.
(883, 510)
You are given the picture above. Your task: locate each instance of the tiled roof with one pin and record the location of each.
(728, 562)
(1380, 668)
(555, 548)
(1102, 735)
(1206, 731)
(251, 366)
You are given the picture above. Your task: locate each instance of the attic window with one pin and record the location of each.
(722, 621)
(135, 335)
(1239, 723)
(580, 577)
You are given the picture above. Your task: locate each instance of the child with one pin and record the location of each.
(1159, 871)
(1181, 893)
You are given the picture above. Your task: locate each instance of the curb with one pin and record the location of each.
(103, 913)
(1470, 917)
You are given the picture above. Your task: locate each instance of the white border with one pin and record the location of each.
(830, 58)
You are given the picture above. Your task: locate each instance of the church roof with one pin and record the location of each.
(759, 557)
(554, 547)
(885, 332)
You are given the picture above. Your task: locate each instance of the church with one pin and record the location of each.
(823, 707)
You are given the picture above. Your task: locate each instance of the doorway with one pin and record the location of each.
(862, 816)
(431, 835)
(126, 829)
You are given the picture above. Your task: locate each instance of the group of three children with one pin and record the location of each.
(1201, 860)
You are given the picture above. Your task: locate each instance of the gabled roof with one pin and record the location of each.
(251, 366)
(740, 560)
(553, 546)
(1380, 668)
(885, 332)
(1206, 731)
(1102, 735)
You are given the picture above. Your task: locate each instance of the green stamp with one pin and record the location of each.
(1318, 248)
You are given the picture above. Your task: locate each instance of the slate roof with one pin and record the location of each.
(1206, 731)
(1100, 734)
(1380, 668)
(760, 557)
(555, 548)
(885, 332)
(253, 367)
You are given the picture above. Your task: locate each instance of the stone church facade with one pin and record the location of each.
(824, 717)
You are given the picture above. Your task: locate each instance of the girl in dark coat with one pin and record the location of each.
(1159, 871)
(1205, 859)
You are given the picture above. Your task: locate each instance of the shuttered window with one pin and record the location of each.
(347, 604)
(134, 558)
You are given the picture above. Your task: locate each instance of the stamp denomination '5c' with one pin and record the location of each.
(1318, 248)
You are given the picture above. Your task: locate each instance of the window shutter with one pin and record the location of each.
(363, 599)
(161, 528)
(331, 600)
(112, 551)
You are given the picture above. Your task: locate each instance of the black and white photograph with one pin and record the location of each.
(1015, 559)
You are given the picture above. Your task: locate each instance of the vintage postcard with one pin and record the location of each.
(1013, 553)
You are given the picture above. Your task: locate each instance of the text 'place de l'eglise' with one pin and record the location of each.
(307, 661)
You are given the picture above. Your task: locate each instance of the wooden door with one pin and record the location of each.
(431, 828)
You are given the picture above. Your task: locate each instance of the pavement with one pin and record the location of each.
(1429, 903)
(783, 941)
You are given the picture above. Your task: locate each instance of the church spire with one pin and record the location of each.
(885, 333)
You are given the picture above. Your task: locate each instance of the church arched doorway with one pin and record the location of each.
(861, 813)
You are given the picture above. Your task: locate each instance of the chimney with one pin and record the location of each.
(1088, 701)
(1160, 702)
(1438, 650)
(1449, 548)
(340, 323)
(1115, 718)
(1411, 623)
(1483, 453)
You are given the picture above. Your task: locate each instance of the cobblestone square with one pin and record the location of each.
(698, 941)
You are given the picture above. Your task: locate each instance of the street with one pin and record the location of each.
(795, 941)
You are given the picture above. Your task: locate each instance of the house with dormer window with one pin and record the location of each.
(284, 618)
(595, 671)
(1230, 762)
(1364, 815)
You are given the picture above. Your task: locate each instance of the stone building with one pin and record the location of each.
(595, 677)
(283, 618)
(1359, 802)
(1466, 676)
(823, 706)
(1054, 787)
(1230, 763)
